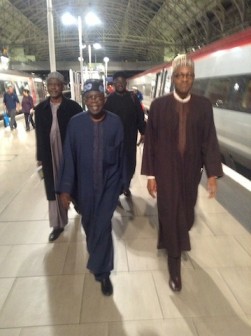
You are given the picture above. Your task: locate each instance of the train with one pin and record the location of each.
(20, 80)
(222, 74)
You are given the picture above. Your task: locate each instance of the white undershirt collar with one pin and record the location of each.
(177, 97)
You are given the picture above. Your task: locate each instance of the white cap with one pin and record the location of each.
(56, 75)
(182, 60)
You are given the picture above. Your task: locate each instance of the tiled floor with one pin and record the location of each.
(45, 289)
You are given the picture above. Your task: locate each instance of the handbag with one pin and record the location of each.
(6, 119)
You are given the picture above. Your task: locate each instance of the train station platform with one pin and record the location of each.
(46, 290)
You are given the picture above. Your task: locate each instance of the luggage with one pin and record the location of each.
(6, 119)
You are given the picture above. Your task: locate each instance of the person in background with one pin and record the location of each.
(138, 93)
(12, 105)
(109, 88)
(27, 108)
(127, 106)
(92, 176)
(52, 117)
(180, 140)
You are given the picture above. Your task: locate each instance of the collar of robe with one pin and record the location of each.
(177, 97)
(99, 116)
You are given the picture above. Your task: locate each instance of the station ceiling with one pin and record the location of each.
(131, 30)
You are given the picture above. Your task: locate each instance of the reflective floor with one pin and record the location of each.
(46, 290)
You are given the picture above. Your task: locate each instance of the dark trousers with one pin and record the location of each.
(28, 119)
(12, 115)
(174, 265)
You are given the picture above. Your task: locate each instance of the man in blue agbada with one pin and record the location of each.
(92, 176)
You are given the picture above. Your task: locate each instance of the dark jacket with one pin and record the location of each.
(27, 104)
(43, 118)
(128, 108)
(10, 100)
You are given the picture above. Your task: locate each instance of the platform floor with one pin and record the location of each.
(46, 290)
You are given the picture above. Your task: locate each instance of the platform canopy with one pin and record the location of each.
(130, 30)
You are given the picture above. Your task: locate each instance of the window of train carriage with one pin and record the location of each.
(200, 86)
(239, 98)
(40, 90)
(246, 96)
(163, 83)
(153, 88)
(236, 92)
(7, 83)
(218, 91)
(2, 88)
(20, 86)
(158, 85)
(167, 84)
(147, 89)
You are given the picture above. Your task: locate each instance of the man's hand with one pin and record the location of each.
(65, 199)
(212, 186)
(152, 187)
(18, 108)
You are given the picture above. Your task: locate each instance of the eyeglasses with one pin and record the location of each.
(93, 97)
(184, 75)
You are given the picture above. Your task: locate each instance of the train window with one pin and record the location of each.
(7, 83)
(40, 90)
(200, 86)
(218, 91)
(2, 88)
(233, 93)
(158, 85)
(147, 90)
(237, 89)
(163, 82)
(246, 97)
(20, 86)
(167, 83)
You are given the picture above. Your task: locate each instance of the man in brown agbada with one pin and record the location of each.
(180, 141)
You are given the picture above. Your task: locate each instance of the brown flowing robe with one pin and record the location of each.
(58, 215)
(180, 140)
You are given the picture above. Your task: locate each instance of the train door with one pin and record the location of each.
(2, 91)
(19, 86)
(167, 83)
(39, 89)
(157, 90)
(33, 91)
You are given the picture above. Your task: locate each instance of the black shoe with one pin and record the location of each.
(106, 286)
(55, 234)
(127, 193)
(175, 284)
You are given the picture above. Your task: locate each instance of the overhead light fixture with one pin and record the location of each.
(91, 19)
(68, 19)
(97, 46)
